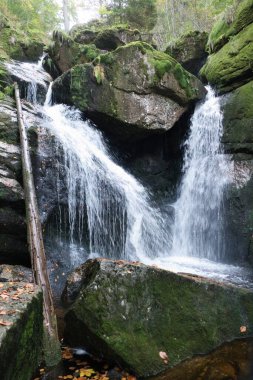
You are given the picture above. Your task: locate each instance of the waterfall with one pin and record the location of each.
(122, 223)
(199, 225)
(113, 211)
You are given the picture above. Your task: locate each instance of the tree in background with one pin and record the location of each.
(176, 17)
(38, 17)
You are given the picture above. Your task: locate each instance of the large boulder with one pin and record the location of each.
(83, 45)
(132, 92)
(21, 330)
(189, 50)
(238, 120)
(229, 66)
(150, 320)
(105, 38)
(234, 19)
(238, 141)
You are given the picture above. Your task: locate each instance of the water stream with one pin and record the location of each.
(110, 213)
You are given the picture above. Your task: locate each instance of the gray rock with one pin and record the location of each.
(21, 330)
(148, 319)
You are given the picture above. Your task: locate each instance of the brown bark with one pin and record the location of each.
(34, 230)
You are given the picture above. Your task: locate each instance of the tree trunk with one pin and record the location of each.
(66, 15)
(34, 231)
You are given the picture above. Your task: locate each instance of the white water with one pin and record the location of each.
(31, 73)
(199, 225)
(122, 222)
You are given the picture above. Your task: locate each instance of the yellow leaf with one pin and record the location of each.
(87, 372)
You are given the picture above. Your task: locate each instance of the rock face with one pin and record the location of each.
(229, 66)
(131, 92)
(13, 248)
(148, 319)
(238, 141)
(189, 51)
(22, 324)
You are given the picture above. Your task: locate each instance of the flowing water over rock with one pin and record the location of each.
(199, 225)
(110, 213)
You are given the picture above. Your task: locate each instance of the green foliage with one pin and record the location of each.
(177, 17)
(33, 17)
(141, 14)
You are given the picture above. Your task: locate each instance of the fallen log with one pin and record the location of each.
(34, 232)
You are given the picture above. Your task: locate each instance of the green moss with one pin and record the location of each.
(19, 361)
(234, 19)
(152, 311)
(238, 118)
(231, 66)
(99, 74)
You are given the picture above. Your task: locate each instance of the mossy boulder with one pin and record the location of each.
(231, 66)
(84, 45)
(21, 330)
(133, 314)
(132, 92)
(64, 53)
(238, 140)
(106, 38)
(235, 18)
(189, 50)
(238, 120)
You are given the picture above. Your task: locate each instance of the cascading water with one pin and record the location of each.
(114, 209)
(121, 221)
(199, 227)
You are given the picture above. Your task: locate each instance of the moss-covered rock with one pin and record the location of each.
(238, 120)
(231, 66)
(238, 141)
(132, 313)
(231, 22)
(132, 91)
(189, 50)
(21, 337)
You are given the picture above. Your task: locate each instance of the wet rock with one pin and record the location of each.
(21, 322)
(189, 50)
(150, 320)
(15, 273)
(238, 141)
(132, 92)
(13, 246)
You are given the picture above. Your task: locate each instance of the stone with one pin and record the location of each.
(229, 67)
(189, 51)
(132, 92)
(234, 19)
(15, 273)
(21, 330)
(238, 120)
(130, 313)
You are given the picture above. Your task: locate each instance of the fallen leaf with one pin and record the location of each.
(87, 372)
(243, 329)
(4, 296)
(5, 323)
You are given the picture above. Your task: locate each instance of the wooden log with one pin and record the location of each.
(34, 230)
